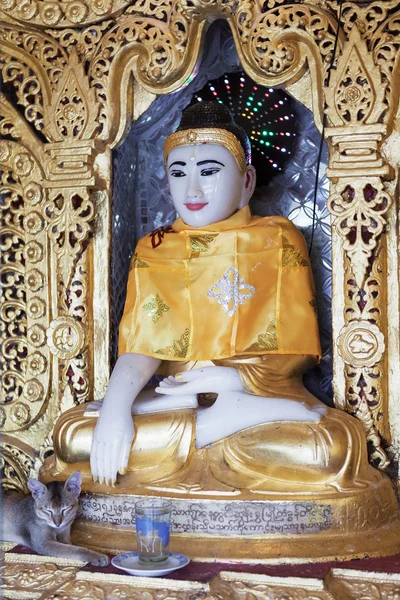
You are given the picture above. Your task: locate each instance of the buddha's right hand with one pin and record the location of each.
(111, 445)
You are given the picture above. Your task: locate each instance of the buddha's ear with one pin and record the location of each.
(38, 490)
(249, 183)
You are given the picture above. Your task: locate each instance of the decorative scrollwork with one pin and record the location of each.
(356, 92)
(385, 46)
(245, 16)
(357, 98)
(73, 111)
(361, 344)
(24, 298)
(365, 18)
(240, 588)
(358, 211)
(283, 39)
(36, 575)
(202, 9)
(159, 58)
(101, 590)
(68, 213)
(47, 13)
(84, 41)
(15, 467)
(34, 63)
(160, 9)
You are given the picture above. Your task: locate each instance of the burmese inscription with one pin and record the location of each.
(216, 517)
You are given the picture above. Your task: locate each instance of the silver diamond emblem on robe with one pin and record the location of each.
(231, 291)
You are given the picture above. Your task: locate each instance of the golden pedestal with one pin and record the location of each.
(284, 527)
(342, 509)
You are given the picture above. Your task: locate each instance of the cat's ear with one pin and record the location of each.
(73, 484)
(38, 490)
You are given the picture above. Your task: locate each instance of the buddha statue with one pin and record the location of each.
(221, 303)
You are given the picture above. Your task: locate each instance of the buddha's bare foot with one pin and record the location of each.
(235, 411)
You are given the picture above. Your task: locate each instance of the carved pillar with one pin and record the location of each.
(358, 112)
(50, 298)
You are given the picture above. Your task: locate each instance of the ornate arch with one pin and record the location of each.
(79, 71)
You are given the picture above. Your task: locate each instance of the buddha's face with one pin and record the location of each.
(206, 183)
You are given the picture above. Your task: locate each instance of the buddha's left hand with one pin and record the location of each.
(207, 379)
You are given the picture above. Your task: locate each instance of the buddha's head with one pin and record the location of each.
(208, 165)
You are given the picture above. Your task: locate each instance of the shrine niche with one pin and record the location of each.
(75, 75)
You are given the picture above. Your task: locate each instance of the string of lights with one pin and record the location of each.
(266, 114)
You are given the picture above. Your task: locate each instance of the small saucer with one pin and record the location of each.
(129, 562)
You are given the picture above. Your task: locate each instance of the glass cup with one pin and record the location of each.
(153, 520)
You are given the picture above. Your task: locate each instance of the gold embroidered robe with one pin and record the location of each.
(239, 287)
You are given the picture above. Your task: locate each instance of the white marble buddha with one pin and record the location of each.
(221, 303)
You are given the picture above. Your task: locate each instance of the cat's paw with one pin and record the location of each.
(99, 560)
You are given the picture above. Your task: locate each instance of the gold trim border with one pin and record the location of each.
(338, 584)
(221, 137)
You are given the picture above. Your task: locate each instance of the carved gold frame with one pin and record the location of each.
(41, 577)
(76, 73)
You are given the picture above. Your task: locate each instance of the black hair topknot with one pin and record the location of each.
(216, 116)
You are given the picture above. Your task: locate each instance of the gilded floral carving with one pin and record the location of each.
(360, 585)
(83, 40)
(73, 111)
(163, 59)
(33, 63)
(24, 293)
(20, 414)
(36, 335)
(33, 252)
(385, 46)
(21, 574)
(361, 345)
(357, 92)
(15, 467)
(33, 389)
(68, 214)
(65, 337)
(284, 38)
(358, 212)
(203, 9)
(75, 12)
(63, 579)
(258, 587)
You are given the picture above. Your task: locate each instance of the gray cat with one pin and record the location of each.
(42, 521)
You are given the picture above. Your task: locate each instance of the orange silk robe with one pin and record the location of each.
(239, 287)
